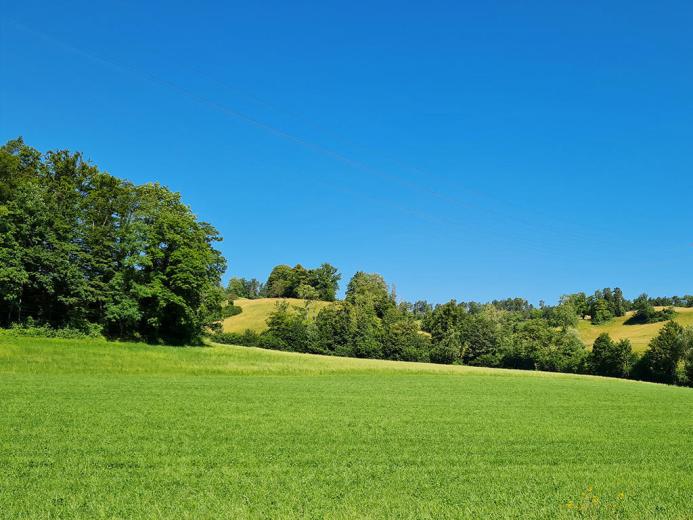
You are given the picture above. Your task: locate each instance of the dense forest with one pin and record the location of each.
(81, 250)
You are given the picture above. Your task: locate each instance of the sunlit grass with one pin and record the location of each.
(639, 335)
(92, 429)
(256, 312)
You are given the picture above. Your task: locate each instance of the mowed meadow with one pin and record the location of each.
(92, 429)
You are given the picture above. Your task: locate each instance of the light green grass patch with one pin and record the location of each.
(113, 430)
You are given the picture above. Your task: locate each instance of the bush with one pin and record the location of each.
(88, 330)
(650, 315)
(271, 341)
(249, 338)
(646, 313)
(231, 310)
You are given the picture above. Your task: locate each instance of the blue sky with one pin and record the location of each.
(469, 150)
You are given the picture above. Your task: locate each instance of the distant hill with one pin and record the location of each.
(639, 335)
(255, 312)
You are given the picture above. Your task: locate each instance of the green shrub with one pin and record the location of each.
(651, 315)
(249, 338)
(231, 310)
(88, 330)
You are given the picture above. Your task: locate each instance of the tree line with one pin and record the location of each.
(507, 333)
(82, 249)
(608, 303)
(367, 323)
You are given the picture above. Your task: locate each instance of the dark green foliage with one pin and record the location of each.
(579, 302)
(307, 292)
(534, 344)
(231, 310)
(610, 358)
(288, 328)
(325, 280)
(601, 306)
(443, 319)
(367, 324)
(402, 340)
(281, 282)
(646, 313)
(496, 338)
(79, 247)
(666, 351)
(370, 291)
(448, 350)
(418, 309)
(368, 333)
(565, 353)
(688, 360)
(321, 283)
(619, 305)
(244, 288)
(249, 338)
(523, 348)
(600, 310)
(564, 315)
(519, 305)
(673, 301)
(334, 328)
(481, 337)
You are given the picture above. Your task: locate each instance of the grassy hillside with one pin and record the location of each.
(639, 335)
(255, 313)
(112, 430)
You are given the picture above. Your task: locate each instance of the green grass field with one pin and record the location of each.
(639, 335)
(90, 429)
(256, 312)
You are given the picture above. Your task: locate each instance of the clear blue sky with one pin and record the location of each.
(462, 150)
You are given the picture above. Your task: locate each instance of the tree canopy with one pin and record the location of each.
(321, 283)
(81, 248)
